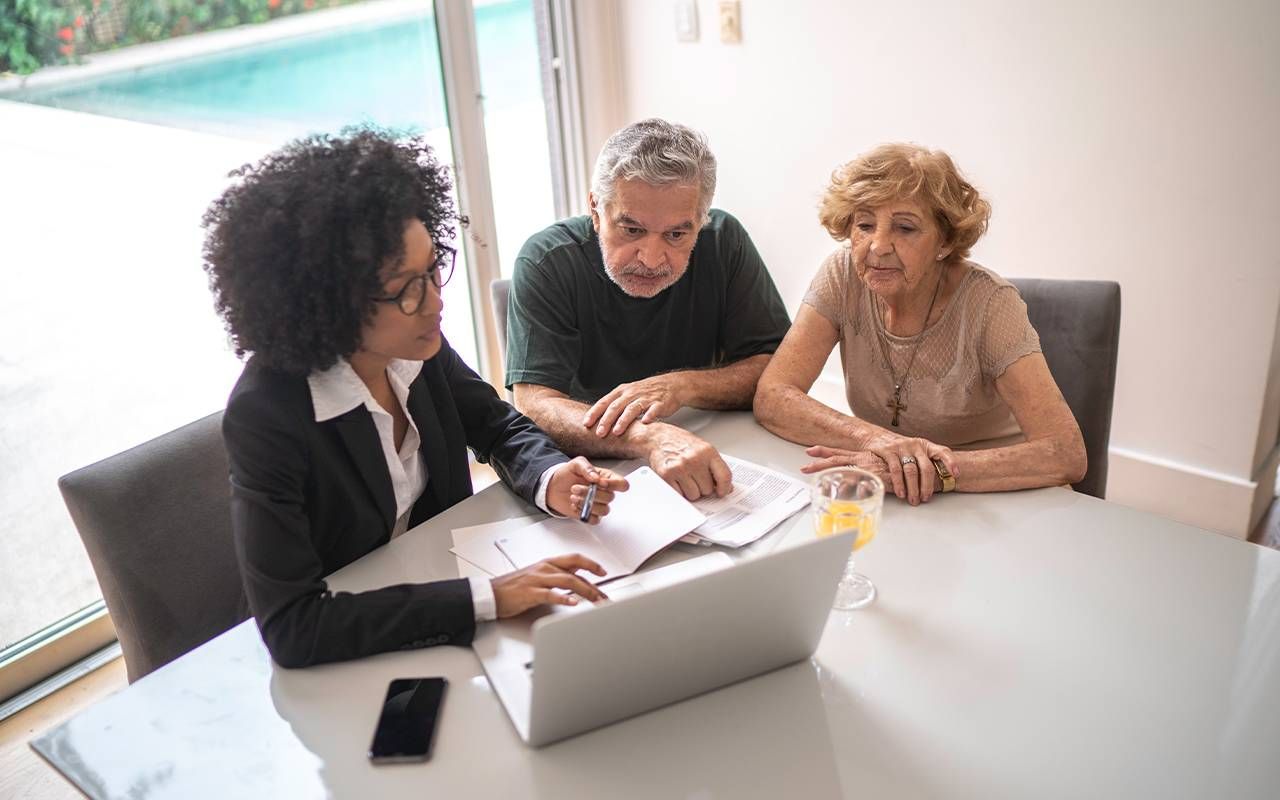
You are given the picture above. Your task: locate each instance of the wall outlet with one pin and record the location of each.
(686, 20)
(730, 22)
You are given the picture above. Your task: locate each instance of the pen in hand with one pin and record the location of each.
(587, 503)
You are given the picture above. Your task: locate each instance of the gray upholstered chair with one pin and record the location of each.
(1079, 327)
(499, 294)
(156, 522)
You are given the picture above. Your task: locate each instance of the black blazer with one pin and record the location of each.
(310, 497)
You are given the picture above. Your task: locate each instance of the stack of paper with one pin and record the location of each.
(641, 521)
(475, 545)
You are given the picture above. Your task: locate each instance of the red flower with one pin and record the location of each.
(80, 22)
(67, 49)
(308, 4)
(273, 3)
(66, 34)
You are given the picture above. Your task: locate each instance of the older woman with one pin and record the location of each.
(943, 371)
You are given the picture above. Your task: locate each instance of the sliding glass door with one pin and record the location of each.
(113, 145)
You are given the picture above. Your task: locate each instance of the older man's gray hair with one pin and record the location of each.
(659, 153)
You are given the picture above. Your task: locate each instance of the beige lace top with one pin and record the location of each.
(950, 394)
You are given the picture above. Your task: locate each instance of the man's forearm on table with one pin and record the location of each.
(722, 388)
(561, 418)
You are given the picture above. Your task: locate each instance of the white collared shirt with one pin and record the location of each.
(338, 390)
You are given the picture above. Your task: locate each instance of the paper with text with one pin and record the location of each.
(761, 499)
(641, 521)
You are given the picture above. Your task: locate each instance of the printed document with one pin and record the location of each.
(760, 500)
(641, 521)
(651, 515)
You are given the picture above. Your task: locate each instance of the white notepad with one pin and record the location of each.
(641, 521)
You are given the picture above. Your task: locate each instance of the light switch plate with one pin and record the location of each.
(686, 20)
(730, 22)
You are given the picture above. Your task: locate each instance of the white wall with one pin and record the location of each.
(1138, 142)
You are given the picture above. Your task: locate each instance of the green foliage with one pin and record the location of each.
(29, 34)
(37, 33)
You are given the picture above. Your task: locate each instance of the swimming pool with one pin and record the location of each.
(384, 72)
(383, 68)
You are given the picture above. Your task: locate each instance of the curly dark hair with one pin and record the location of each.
(294, 248)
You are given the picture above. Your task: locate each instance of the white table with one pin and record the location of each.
(1031, 644)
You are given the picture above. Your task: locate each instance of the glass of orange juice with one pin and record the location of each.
(848, 499)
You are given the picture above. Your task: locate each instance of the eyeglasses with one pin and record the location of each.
(411, 296)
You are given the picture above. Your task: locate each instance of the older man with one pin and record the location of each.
(651, 303)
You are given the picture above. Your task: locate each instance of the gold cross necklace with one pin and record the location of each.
(896, 402)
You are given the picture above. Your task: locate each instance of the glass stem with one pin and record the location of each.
(849, 570)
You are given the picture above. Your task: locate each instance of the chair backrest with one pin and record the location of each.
(1079, 327)
(499, 293)
(156, 522)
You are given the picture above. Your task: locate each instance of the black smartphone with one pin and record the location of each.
(407, 723)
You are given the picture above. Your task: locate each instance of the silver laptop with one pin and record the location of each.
(649, 647)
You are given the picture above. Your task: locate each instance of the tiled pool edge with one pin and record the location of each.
(184, 48)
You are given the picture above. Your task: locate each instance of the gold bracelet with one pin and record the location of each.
(944, 474)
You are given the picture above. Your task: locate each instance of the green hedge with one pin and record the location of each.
(37, 33)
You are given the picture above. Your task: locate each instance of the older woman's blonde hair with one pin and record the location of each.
(896, 172)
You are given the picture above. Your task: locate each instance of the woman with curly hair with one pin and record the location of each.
(351, 420)
(943, 371)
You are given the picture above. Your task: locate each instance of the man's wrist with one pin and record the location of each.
(681, 388)
(648, 436)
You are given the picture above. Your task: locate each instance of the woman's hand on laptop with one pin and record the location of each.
(567, 488)
(517, 592)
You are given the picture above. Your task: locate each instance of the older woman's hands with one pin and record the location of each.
(912, 481)
(828, 457)
(909, 462)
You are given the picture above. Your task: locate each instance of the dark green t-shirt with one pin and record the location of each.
(570, 328)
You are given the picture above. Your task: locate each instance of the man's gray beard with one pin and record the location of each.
(609, 272)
